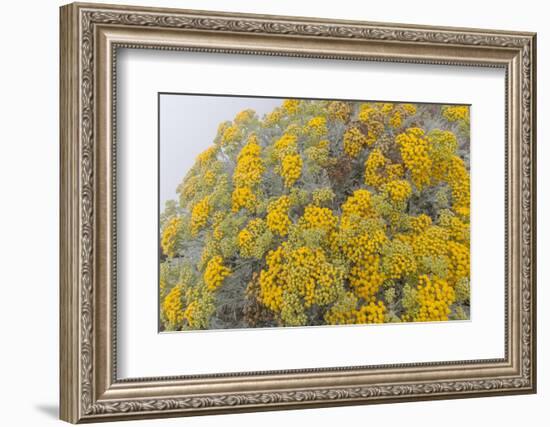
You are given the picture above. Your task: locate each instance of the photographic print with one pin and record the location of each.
(281, 212)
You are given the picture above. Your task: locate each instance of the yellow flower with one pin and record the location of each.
(291, 169)
(399, 191)
(317, 126)
(456, 113)
(172, 307)
(415, 153)
(249, 235)
(230, 134)
(243, 197)
(286, 144)
(291, 106)
(339, 110)
(207, 155)
(316, 217)
(215, 273)
(435, 298)
(199, 215)
(277, 216)
(244, 116)
(396, 120)
(359, 203)
(170, 236)
(374, 167)
(354, 140)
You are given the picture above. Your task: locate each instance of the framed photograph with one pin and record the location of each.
(267, 212)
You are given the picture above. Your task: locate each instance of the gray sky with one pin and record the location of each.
(188, 125)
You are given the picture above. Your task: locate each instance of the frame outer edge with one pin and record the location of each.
(77, 226)
(534, 269)
(69, 354)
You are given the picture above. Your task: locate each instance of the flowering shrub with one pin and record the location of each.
(322, 213)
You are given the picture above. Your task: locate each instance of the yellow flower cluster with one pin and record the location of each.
(456, 113)
(415, 153)
(199, 215)
(420, 223)
(396, 120)
(248, 173)
(244, 116)
(291, 168)
(172, 307)
(354, 141)
(215, 273)
(250, 167)
(316, 217)
(435, 298)
(459, 255)
(286, 144)
(373, 168)
(230, 134)
(366, 277)
(346, 313)
(322, 196)
(207, 155)
(372, 313)
(399, 190)
(243, 197)
(277, 217)
(303, 272)
(248, 236)
(459, 180)
(170, 236)
(399, 261)
(339, 110)
(291, 106)
(317, 126)
(273, 118)
(359, 203)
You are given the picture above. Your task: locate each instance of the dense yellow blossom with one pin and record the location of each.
(316, 217)
(399, 191)
(372, 313)
(291, 168)
(244, 116)
(286, 144)
(230, 134)
(215, 273)
(354, 141)
(303, 272)
(359, 203)
(435, 297)
(170, 236)
(396, 120)
(459, 180)
(273, 118)
(415, 153)
(277, 218)
(456, 113)
(172, 307)
(317, 126)
(366, 277)
(243, 197)
(291, 106)
(339, 110)
(199, 215)
(250, 166)
(207, 155)
(373, 168)
(248, 236)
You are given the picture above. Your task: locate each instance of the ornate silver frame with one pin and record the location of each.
(90, 36)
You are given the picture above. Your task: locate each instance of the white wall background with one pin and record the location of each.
(29, 170)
